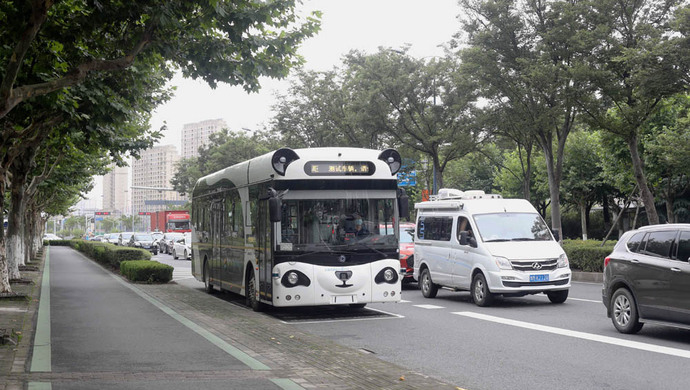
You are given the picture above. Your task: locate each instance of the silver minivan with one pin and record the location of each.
(487, 245)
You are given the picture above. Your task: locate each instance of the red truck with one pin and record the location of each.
(171, 221)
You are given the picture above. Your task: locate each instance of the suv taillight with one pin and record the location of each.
(606, 261)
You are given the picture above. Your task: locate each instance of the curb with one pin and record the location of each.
(588, 277)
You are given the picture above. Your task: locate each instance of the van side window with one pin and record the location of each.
(435, 228)
(464, 226)
(683, 247)
(660, 243)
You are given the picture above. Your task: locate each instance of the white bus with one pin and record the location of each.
(301, 227)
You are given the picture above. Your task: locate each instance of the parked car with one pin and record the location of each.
(407, 251)
(123, 238)
(113, 238)
(51, 236)
(165, 245)
(183, 246)
(143, 241)
(647, 276)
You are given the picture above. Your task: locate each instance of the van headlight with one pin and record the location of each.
(502, 263)
(562, 261)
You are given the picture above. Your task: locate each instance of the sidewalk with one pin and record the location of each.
(275, 354)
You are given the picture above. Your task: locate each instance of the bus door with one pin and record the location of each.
(264, 251)
(217, 226)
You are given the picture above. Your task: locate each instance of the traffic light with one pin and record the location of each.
(144, 213)
(102, 213)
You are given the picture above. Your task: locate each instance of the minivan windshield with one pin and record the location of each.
(512, 227)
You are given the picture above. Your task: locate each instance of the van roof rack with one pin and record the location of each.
(455, 194)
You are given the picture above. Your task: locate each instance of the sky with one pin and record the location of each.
(363, 25)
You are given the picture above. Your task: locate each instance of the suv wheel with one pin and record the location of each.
(429, 289)
(480, 291)
(624, 312)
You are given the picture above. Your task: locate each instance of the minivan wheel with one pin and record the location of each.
(557, 296)
(429, 289)
(480, 291)
(624, 312)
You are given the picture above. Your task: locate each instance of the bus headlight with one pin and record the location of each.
(386, 275)
(562, 261)
(294, 278)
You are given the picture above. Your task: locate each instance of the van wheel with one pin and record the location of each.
(208, 287)
(250, 292)
(174, 255)
(185, 254)
(557, 296)
(624, 312)
(480, 291)
(429, 289)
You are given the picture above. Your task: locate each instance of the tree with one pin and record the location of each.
(48, 50)
(520, 54)
(640, 56)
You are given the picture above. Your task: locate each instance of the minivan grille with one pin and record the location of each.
(535, 265)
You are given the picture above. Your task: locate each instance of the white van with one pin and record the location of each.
(488, 245)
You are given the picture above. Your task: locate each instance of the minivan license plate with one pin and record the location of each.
(539, 278)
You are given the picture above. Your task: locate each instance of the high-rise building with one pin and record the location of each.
(151, 174)
(116, 189)
(197, 134)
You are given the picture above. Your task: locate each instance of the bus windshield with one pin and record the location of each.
(512, 227)
(323, 224)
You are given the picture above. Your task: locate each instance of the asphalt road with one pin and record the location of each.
(518, 343)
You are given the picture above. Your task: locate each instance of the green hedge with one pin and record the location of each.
(146, 271)
(109, 254)
(56, 242)
(587, 256)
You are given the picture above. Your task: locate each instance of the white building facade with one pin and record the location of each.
(116, 190)
(151, 174)
(195, 135)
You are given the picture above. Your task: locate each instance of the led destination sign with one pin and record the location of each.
(339, 168)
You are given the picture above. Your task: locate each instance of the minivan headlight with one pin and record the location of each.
(502, 263)
(562, 261)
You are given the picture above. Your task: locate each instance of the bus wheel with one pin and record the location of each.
(208, 287)
(250, 292)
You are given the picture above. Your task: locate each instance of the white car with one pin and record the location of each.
(183, 247)
(51, 236)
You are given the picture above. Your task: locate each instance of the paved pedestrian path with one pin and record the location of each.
(94, 329)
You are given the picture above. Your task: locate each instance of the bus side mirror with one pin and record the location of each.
(403, 204)
(274, 208)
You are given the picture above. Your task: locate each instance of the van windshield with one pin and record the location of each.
(512, 227)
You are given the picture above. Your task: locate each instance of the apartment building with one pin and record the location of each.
(116, 190)
(197, 134)
(151, 175)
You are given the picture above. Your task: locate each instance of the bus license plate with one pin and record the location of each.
(539, 278)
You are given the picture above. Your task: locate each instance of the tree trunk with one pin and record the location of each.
(670, 216)
(583, 220)
(645, 191)
(554, 193)
(15, 230)
(5, 286)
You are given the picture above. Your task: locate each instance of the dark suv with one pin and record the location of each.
(647, 278)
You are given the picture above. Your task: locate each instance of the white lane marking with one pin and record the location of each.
(580, 335)
(585, 300)
(429, 306)
(404, 301)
